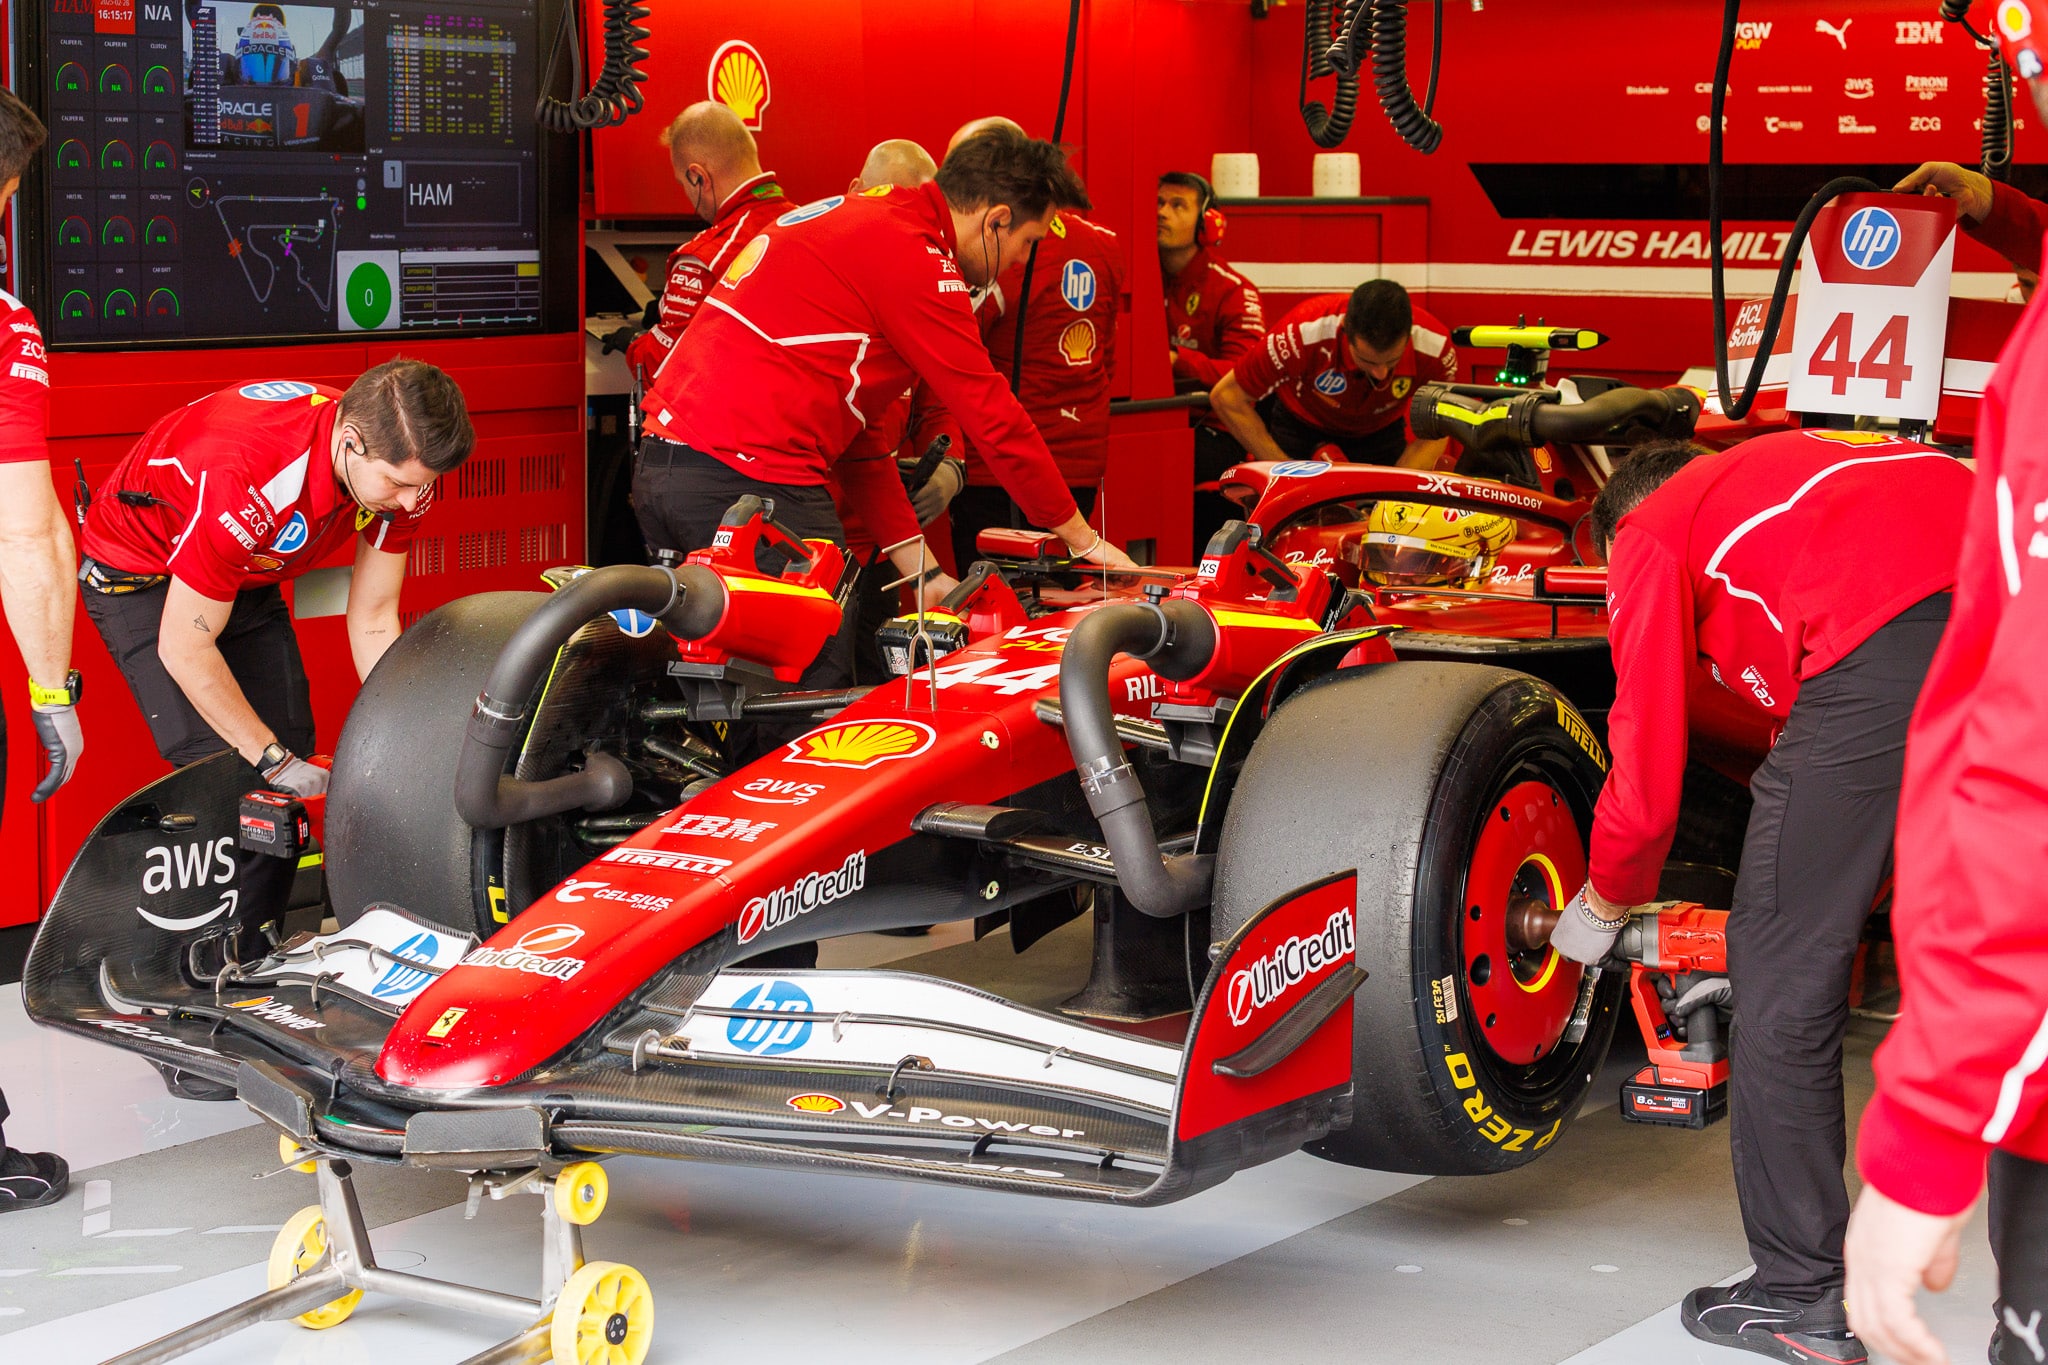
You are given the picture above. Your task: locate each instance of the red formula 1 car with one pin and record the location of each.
(1319, 796)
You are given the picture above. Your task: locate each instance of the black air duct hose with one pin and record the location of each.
(1179, 639)
(688, 601)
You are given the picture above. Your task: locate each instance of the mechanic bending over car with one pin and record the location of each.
(793, 355)
(1060, 369)
(36, 558)
(1339, 372)
(1758, 562)
(1214, 317)
(718, 165)
(189, 537)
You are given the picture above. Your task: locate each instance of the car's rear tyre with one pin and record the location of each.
(392, 832)
(1450, 788)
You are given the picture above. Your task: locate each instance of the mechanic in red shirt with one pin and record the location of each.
(35, 584)
(1991, 211)
(719, 166)
(1062, 373)
(1339, 372)
(1213, 319)
(231, 495)
(795, 353)
(1761, 563)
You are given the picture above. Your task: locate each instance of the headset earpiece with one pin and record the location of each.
(1208, 218)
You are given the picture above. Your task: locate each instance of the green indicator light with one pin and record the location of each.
(362, 201)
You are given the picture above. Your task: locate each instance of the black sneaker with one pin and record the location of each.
(189, 1085)
(29, 1180)
(1748, 1319)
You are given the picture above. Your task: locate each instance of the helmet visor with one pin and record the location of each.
(1396, 561)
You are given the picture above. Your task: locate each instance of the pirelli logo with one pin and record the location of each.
(668, 861)
(34, 374)
(1573, 724)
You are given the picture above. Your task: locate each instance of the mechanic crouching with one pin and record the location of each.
(1770, 564)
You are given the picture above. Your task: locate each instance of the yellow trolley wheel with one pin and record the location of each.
(580, 1193)
(299, 1247)
(290, 1153)
(604, 1317)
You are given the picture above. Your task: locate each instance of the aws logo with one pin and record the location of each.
(739, 81)
(862, 744)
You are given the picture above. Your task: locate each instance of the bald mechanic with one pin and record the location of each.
(821, 322)
(719, 167)
(1062, 370)
(35, 584)
(1756, 562)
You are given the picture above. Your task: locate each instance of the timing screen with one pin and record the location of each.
(222, 171)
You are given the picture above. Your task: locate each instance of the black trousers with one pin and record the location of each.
(680, 495)
(261, 650)
(1215, 451)
(1300, 440)
(1818, 847)
(2019, 1239)
(974, 510)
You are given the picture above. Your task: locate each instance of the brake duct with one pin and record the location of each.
(689, 600)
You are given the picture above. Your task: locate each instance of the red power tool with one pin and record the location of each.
(1678, 966)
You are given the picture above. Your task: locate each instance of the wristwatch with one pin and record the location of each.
(67, 695)
(272, 755)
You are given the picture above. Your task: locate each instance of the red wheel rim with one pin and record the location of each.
(1529, 846)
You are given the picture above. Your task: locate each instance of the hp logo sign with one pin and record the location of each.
(1871, 238)
(772, 1037)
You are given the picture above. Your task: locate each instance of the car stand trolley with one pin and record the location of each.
(589, 1313)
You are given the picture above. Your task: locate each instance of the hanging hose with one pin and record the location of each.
(615, 95)
(1995, 147)
(1059, 127)
(1390, 74)
(1328, 127)
(1737, 409)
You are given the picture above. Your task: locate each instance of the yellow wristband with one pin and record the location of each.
(67, 695)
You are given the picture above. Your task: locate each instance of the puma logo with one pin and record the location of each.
(2030, 1334)
(1840, 35)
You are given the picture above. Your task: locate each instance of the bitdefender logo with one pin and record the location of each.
(1264, 980)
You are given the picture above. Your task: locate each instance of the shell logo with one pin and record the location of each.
(739, 81)
(1851, 438)
(1077, 342)
(816, 1104)
(862, 743)
(743, 264)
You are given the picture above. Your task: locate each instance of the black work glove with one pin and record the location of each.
(618, 339)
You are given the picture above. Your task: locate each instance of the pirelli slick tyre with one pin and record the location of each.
(1451, 788)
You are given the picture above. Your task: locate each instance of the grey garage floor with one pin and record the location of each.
(1579, 1257)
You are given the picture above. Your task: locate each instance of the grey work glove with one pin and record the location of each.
(63, 741)
(1582, 935)
(293, 774)
(936, 494)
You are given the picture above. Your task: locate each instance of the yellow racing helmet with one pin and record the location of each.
(1415, 545)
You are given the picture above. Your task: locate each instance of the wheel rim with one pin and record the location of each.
(1528, 846)
(301, 1246)
(614, 1323)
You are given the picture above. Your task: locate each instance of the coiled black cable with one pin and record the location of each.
(1737, 409)
(1390, 74)
(1319, 43)
(1996, 144)
(615, 95)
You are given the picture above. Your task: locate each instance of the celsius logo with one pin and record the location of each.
(402, 980)
(771, 1037)
(292, 538)
(1266, 979)
(277, 390)
(812, 891)
(1332, 383)
(1077, 286)
(1870, 238)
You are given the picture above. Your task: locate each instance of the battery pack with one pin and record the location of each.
(274, 823)
(1674, 1106)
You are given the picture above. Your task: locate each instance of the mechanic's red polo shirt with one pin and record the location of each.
(696, 263)
(24, 385)
(816, 326)
(1307, 363)
(1213, 316)
(1069, 344)
(242, 493)
(1768, 563)
(2013, 228)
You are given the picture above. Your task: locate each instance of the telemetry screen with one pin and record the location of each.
(222, 171)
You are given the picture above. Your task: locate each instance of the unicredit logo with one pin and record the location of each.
(807, 893)
(1264, 980)
(534, 953)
